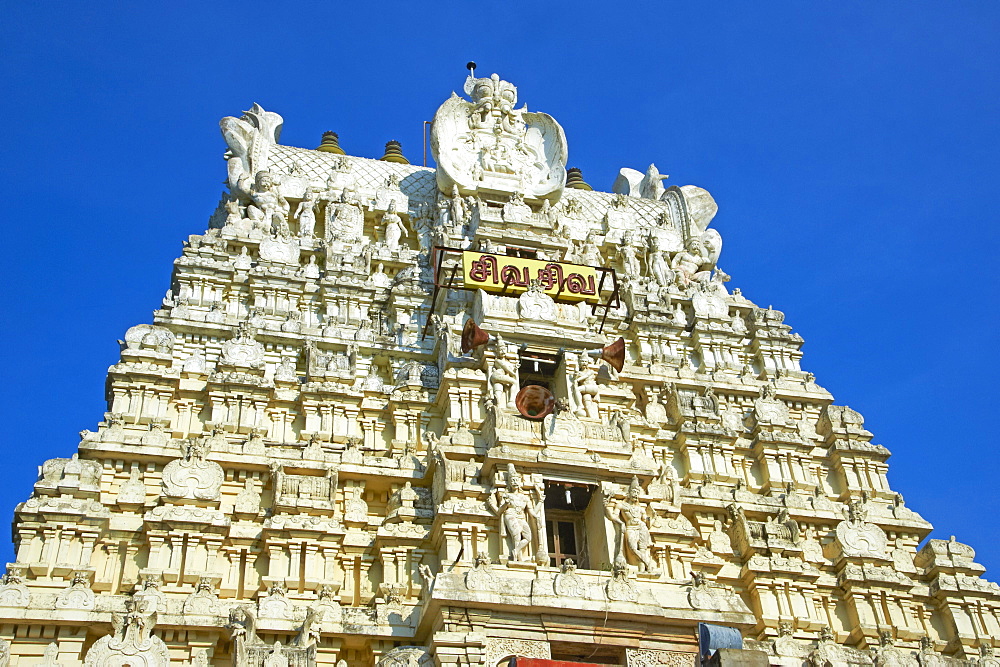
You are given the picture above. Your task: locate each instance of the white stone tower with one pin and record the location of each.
(383, 417)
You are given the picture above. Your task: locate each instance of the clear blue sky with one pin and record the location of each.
(852, 148)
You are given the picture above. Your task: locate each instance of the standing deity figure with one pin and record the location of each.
(269, 201)
(393, 227)
(627, 255)
(515, 507)
(456, 210)
(503, 375)
(585, 392)
(306, 214)
(590, 254)
(633, 538)
(688, 263)
(657, 263)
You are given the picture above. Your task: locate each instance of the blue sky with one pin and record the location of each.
(852, 148)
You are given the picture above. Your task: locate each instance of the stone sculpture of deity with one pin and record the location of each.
(393, 228)
(657, 263)
(306, 214)
(633, 538)
(519, 521)
(688, 263)
(503, 375)
(585, 392)
(627, 255)
(269, 200)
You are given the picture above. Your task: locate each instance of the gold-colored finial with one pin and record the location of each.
(574, 179)
(394, 153)
(330, 144)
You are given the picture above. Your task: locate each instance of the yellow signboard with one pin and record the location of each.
(513, 275)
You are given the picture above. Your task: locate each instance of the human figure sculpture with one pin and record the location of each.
(629, 516)
(456, 209)
(688, 262)
(347, 220)
(306, 214)
(585, 392)
(393, 227)
(311, 269)
(627, 254)
(590, 254)
(657, 263)
(269, 201)
(515, 508)
(503, 375)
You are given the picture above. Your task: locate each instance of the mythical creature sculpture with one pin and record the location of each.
(249, 138)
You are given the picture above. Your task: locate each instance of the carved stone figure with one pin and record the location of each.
(306, 213)
(688, 264)
(248, 499)
(517, 516)
(657, 264)
(503, 375)
(249, 138)
(585, 392)
(628, 256)
(629, 517)
(130, 641)
(392, 228)
(488, 143)
(768, 408)
(270, 202)
(347, 220)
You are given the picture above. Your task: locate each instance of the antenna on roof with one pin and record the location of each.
(471, 66)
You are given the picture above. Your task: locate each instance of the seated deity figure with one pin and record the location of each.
(503, 375)
(306, 214)
(629, 516)
(515, 508)
(688, 263)
(345, 220)
(393, 227)
(269, 201)
(585, 392)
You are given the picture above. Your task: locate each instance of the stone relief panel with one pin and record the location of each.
(193, 476)
(499, 649)
(641, 657)
(488, 144)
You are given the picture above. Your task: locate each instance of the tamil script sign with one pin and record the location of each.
(513, 275)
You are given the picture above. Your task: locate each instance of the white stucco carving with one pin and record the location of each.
(490, 145)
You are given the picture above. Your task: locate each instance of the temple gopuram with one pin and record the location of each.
(476, 414)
